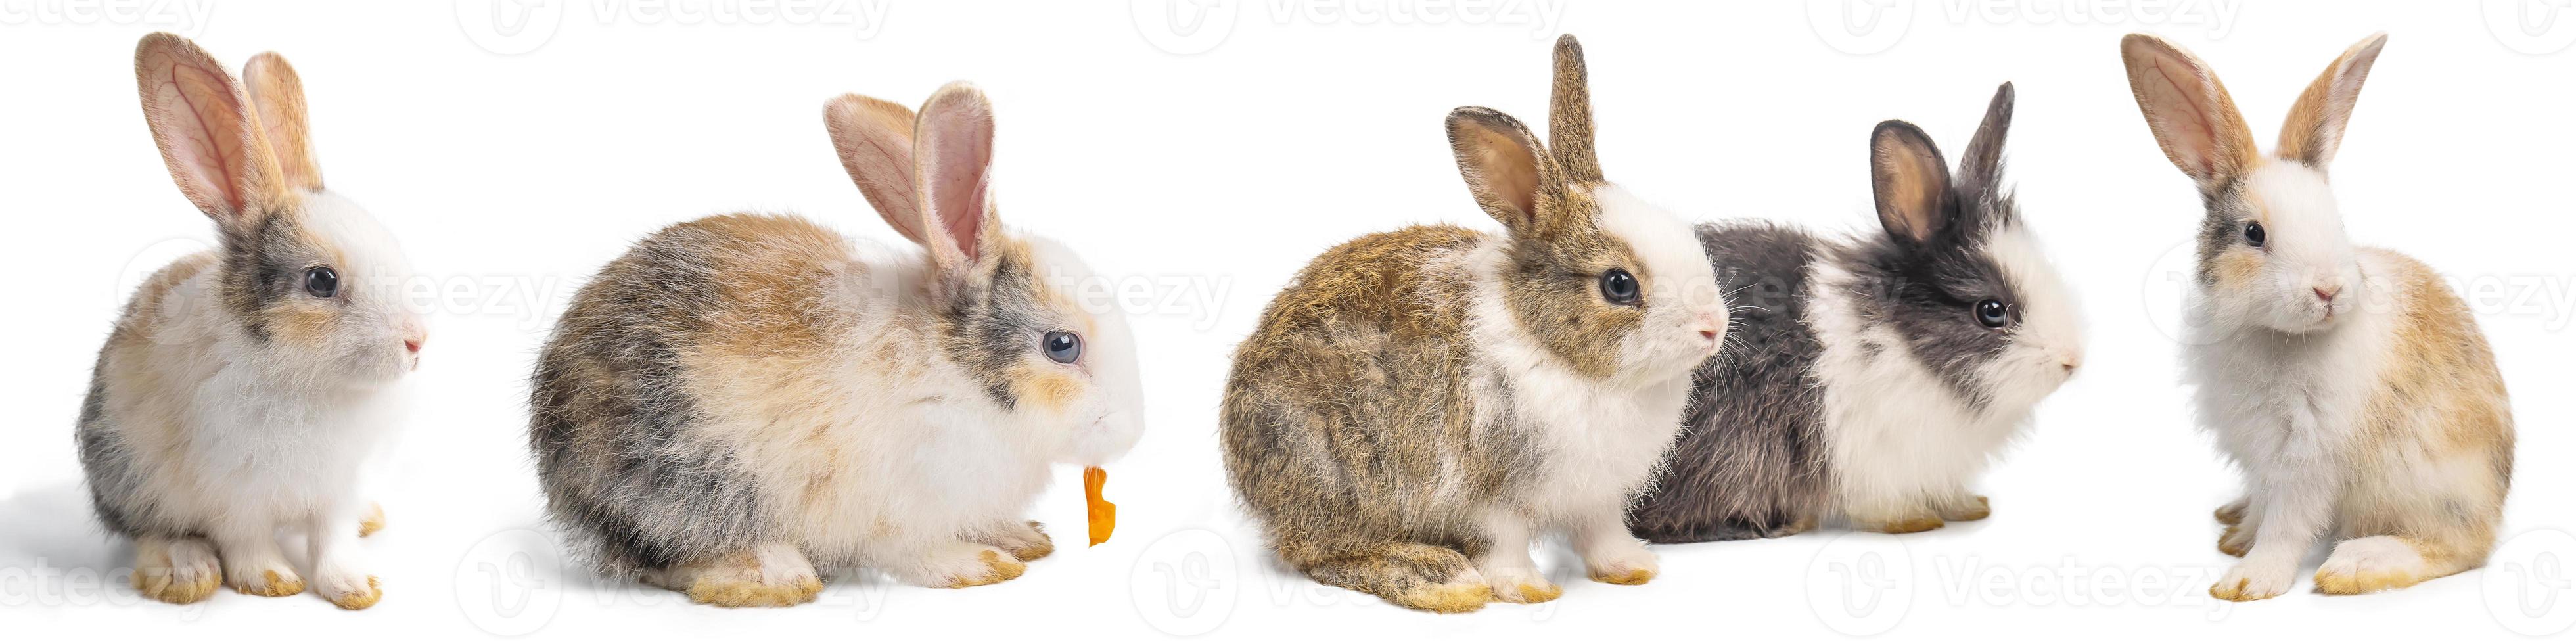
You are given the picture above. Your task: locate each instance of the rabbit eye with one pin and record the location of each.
(1994, 313)
(1064, 347)
(2254, 234)
(1619, 287)
(322, 282)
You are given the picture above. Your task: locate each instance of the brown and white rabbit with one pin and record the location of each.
(243, 387)
(1872, 379)
(2350, 385)
(1419, 405)
(742, 398)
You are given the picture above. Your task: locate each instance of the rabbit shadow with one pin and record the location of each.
(51, 527)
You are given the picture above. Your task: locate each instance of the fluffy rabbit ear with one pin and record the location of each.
(874, 138)
(208, 136)
(278, 95)
(1512, 178)
(2189, 110)
(952, 164)
(1569, 115)
(1910, 182)
(2315, 126)
(1982, 167)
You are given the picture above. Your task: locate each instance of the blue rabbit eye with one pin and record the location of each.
(1062, 346)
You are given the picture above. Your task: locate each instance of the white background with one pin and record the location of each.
(1207, 167)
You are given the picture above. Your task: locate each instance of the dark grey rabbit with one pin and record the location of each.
(1871, 379)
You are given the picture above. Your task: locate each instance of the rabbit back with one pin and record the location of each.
(1752, 461)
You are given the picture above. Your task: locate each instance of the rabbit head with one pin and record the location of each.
(311, 283)
(2272, 249)
(1605, 281)
(1008, 305)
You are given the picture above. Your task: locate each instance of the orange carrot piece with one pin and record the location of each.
(1103, 514)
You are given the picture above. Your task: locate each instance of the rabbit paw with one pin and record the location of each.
(2249, 583)
(1906, 525)
(2233, 513)
(351, 592)
(1526, 587)
(1026, 541)
(962, 565)
(1626, 566)
(2236, 541)
(269, 582)
(770, 575)
(178, 571)
(1971, 508)
(374, 521)
(2370, 564)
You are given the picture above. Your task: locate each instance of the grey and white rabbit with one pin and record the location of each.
(1871, 379)
(2350, 385)
(741, 400)
(1418, 406)
(244, 387)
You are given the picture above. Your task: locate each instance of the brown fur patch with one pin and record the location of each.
(1553, 287)
(2316, 122)
(2441, 410)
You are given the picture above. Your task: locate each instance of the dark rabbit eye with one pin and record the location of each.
(2254, 234)
(322, 282)
(1994, 314)
(1063, 346)
(1619, 287)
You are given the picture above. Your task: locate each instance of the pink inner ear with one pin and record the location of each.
(957, 136)
(199, 111)
(2187, 112)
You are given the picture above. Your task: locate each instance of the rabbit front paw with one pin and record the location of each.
(961, 565)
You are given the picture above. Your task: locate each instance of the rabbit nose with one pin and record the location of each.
(412, 344)
(2327, 293)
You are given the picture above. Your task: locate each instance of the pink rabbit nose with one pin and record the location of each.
(412, 344)
(2327, 294)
